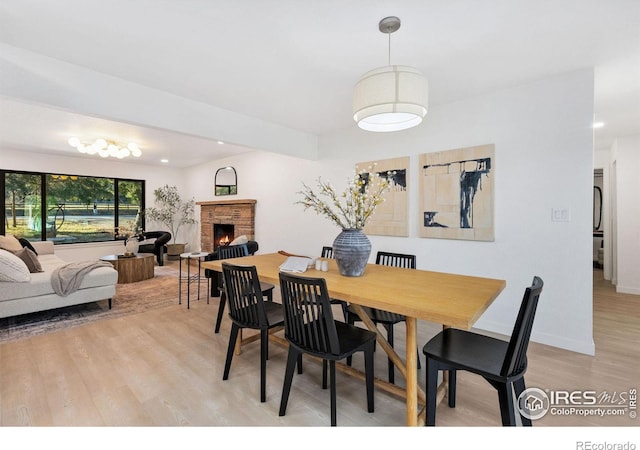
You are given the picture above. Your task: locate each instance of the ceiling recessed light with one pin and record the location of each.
(598, 124)
(164, 160)
(220, 142)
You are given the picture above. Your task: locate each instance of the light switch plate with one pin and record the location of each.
(561, 215)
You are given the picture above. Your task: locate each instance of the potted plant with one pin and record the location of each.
(349, 210)
(171, 211)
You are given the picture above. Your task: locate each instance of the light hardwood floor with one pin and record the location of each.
(164, 368)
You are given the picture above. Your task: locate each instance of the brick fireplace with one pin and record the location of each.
(240, 214)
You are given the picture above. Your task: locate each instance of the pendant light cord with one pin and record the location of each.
(389, 58)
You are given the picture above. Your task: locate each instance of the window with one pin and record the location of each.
(70, 208)
(129, 206)
(22, 202)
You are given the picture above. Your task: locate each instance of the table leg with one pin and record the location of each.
(412, 371)
(239, 339)
(188, 281)
(198, 278)
(408, 371)
(180, 284)
(208, 291)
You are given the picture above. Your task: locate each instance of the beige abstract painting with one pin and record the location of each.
(456, 194)
(391, 217)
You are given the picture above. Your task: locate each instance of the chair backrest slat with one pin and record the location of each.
(515, 359)
(308, 319)
(233, 251)
(396, 260)
(246, 305)
(327, 252)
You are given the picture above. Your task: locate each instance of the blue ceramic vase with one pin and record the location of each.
(351, 250)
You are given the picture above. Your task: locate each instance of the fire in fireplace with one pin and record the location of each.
(222, 234)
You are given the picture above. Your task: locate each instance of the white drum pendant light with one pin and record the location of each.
(390, 98)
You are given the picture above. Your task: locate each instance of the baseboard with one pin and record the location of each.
(627, 290)
(553, 340)
(587, 347)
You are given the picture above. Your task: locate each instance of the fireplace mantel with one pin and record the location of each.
(240, 213)
(227, 202)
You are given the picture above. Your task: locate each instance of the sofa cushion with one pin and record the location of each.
(12, 268)
(25, 243)
(240, 240)
(43, 248)
(30, 259)
(41, 282)
(10, 243)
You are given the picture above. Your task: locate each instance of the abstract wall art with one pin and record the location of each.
(391, 217)
(457, 194)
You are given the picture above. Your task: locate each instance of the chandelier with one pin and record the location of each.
(390, 98)
(106, 148)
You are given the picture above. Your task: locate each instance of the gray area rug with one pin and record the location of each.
(130, 298)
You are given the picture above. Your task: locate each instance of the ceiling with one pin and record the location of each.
(294, 63)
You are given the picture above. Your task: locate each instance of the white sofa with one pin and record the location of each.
(37, 294)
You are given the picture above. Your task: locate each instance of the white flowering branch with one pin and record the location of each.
(355, 205)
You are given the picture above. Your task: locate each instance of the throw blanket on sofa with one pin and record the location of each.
(67, 279)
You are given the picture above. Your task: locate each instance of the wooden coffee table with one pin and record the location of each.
(132, 269)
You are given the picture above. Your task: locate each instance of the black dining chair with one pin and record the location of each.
(237, 251)
(310, 328)
(327, 252)
(385, 318)
(503, 364)
(247, 309)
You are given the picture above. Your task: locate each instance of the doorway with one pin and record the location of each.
(598, 222)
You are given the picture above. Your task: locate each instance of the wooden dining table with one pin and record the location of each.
(453, 300)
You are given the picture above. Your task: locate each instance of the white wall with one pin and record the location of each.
(544, 159)
(273, 180)
(626, 154)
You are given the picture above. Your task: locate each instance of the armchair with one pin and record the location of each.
(158, 247)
